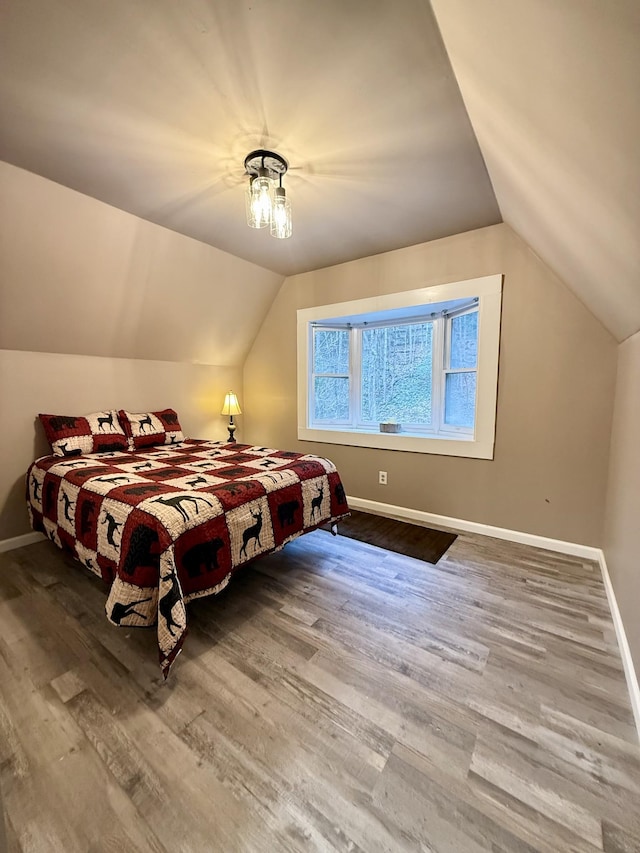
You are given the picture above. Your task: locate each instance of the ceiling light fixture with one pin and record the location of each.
(267, 204)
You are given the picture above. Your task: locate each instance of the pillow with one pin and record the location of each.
(148, 429)
(99, 432)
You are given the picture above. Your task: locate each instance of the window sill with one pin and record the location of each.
(462, 445)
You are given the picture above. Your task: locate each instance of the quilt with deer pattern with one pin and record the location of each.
(168, 524)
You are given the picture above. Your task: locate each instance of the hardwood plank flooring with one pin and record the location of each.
(336, 697)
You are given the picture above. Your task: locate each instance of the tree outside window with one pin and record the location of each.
(420, 373)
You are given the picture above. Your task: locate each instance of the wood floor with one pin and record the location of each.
(335, 697)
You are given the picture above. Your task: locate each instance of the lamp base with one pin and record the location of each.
(232, 429)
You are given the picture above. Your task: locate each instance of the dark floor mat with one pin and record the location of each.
(422, 543)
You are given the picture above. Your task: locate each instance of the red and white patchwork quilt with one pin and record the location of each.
(168, 524)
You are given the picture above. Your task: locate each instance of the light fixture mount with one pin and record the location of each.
(275, 165)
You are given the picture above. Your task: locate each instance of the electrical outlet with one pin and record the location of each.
(382, 478)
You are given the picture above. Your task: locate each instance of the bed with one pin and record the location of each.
(165, 525)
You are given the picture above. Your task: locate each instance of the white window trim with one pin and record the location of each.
(480, 445)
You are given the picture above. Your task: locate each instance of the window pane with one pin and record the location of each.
(464, 341)
(331, 398)
(396, 374)
(331, 351)
(460, 399)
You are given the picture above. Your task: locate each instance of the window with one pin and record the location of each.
(395, 374)
(331, 376)
(420, 373)
(426, 360)
(460, 363)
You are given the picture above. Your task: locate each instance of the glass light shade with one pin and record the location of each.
(258, 200)
(281, 215)
(231, 405)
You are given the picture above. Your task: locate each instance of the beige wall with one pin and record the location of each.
(555, 395)
(33, 382)
(79, 276)
(622, 515)
(100, 309)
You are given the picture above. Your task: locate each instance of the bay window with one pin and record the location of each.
(425, 361)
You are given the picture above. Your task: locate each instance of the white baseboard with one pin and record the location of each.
(20, 541)
(623, 645)
(558, 545)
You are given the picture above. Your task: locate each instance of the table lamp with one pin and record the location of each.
(231, 407)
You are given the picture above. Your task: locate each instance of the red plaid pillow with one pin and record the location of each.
(148, 429)
(99, 432)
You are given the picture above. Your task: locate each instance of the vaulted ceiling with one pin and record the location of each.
(552, 88)
(386, 112)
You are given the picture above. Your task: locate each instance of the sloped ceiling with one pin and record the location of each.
(81, 277)
(152, 105)
(552, 88)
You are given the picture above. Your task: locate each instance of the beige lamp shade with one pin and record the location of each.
(231, 405)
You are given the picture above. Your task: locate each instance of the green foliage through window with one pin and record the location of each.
(396, 374)
(420, 374)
